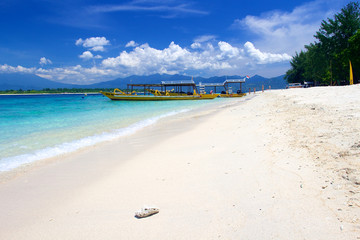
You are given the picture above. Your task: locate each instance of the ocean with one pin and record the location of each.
(35, 127)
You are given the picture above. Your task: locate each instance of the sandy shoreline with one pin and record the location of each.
(283, 165)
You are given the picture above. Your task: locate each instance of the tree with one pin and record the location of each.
(296, 73)
(334, 36)
(317, 66)
(352, 53)
(327, 60)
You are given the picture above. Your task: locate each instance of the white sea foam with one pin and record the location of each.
(10, 163)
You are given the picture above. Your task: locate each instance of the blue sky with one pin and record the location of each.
(90, 41)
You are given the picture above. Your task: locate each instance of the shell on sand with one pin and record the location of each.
(146, 211)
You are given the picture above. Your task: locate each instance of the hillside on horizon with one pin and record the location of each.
(16, 81)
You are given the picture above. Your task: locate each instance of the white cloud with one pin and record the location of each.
(229, 51)
(220, 58)
(264, 57)
(79, 42)
(87, 55)
(45, 61)
(19, 69)
(131, 44)
(78, 74)
(98, 48)
(72, 74)
(196, 45)
(167, 9)
(280, 31)
(93, 43)
(46, 76)
(147, 60)
(204, 38)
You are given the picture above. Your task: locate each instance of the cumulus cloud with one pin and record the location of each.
(229, 51)
(71, 74)
(222, 57)
(19, 69)
(264, 57)
(195, 45)
(45, 61)
(87, 55)
(175, 59)
(131, 44)
(78, 74)
(93, 43)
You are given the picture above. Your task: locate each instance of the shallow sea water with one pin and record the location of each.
(34, 127)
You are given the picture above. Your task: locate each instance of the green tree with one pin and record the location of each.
(326, 61)
(334, 36)
(296, 73)
(352, 53)
(317, 66)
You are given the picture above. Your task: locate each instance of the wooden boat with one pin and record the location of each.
(158, 95)
(228, 91)
(167, 93)
(128, 97)
(295, 85)
(232, 95)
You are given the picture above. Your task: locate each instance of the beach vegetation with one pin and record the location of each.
(326, 61)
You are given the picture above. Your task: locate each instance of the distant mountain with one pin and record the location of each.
(16, 81)
(255, 81)
(122, 82)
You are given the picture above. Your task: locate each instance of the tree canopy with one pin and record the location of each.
(326, 61)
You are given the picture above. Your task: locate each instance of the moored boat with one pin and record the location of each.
(232, 95)
(128, 97)
(167, 93)
(295, 85)
(160, 95)
(228, 90)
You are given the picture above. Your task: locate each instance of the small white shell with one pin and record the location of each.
(146, 211)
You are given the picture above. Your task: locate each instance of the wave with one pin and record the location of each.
(9, 163)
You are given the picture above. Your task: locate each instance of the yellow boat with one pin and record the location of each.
(159, 95)
(167, 93)
(129, 97)
(226, 95)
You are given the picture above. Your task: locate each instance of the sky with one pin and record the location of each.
(89, 41)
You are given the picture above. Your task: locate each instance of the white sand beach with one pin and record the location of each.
(283, 164)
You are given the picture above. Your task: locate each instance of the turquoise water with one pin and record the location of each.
(34, 127)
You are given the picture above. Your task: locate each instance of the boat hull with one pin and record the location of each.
(232, 95)
(125, 97)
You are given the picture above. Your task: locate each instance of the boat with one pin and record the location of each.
(232, 95)
(228, 89)
(167, 93)
(295, 85)
(308, 84)
(160, 95)
(116, 95)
